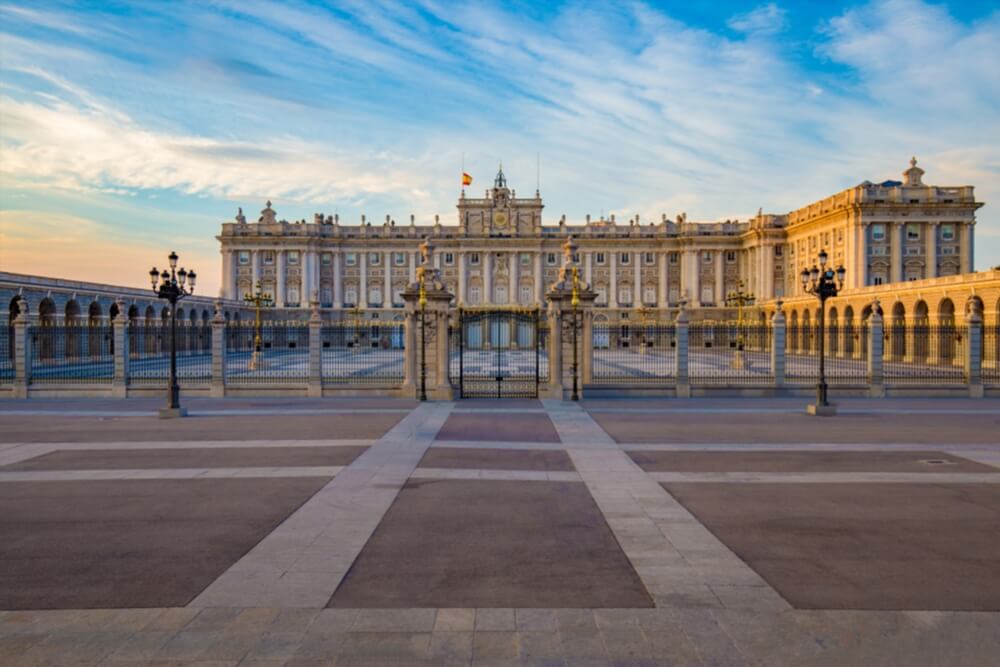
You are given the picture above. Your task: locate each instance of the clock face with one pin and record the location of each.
(501, 219)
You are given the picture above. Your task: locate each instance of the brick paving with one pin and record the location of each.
(716, 599)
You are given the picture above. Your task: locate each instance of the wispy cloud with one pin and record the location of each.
(368, 106)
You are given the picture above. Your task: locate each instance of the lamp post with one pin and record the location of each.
(739, 298)
(824, 283)
(172, 285)
(423, 337)
(258, 300)
(575, 302)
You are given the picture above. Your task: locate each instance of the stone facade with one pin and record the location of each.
(500, 252)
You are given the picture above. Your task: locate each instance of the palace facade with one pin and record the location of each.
(501, 251)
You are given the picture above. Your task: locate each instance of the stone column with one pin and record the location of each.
(410, 352)
(588, 344)
(487, 264)
(279, 289)
(255, 263)
(719, 280)
(663, 295)
(681, 377)
(974, 354)
(512, 287)
(338, 280)
(930, 250)
(966, 248)
(637, 280)
(876, 341)
(539, 283)
(613, 285)
(387, 280)
(462, 280)
(588, 268)
(315, 388)
(554, 389)
(227, 275)
(363, 283)
(897, 232)
(22, 353)
(778, 333)
(119, 386)
(861, 255)
(305, 283)
(768, 285)
(414, 260)
(218, 387)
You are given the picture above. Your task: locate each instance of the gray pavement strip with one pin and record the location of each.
(167, 473)
(828, 477)
(301, 563)
(480, 473)
(236, 412)
(797, 410)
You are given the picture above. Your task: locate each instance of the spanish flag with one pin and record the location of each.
(466, 179)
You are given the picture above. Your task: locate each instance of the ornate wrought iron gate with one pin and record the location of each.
(498, 353)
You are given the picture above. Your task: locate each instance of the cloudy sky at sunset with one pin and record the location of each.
(130, 129)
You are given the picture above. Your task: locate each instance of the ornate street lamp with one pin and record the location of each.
(173, 285)
(824, 283)
(739, 299)
(423, 337)
(575, 302)
(259, 299)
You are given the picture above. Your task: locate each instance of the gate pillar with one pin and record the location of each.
(427, 313)
(571, 304)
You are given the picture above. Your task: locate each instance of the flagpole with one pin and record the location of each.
(463, 172)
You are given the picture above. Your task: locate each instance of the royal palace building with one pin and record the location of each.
(501, 252)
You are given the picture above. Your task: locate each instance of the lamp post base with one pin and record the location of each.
(815, 410)
(173, 413)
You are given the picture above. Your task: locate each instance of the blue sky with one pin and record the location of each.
(128, 129)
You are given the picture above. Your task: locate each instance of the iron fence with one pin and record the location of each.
(72, 353)
(149, 353)
(922, 354)
(846, 358)
(991, 354)
(274, 353)
(729, 354)
(634, 353)
(7, 354)
(499, 353)
(362, 353)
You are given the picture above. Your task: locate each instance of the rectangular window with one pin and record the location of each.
(268, 257)
(397, 298)
(326, 258)
(948, 250)
(674, 257)
(625, 258)
(326, 296)
(913, 251)
(525, 295)
(351, 296)
(602, 296)
(706, 256)
(449, 258)
(375, 296)
(649, 295)
(675, 294)
(525, 259)
(474, 296)
(293, 258)
(474, 259)
(244, 257)
(625, 296)
(878, 232)
(777, 251)
(730, 257)
(550, 258)
(840, 236)
(912, 232)
(293, 296)
(649, 258)
(399, 258)
(599, 258)
(374, 258)
(947, 232)
(576, 257)
(350, 259)
(877, 280)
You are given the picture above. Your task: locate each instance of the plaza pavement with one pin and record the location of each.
(364, 531)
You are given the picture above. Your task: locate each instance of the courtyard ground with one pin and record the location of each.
(306, 532)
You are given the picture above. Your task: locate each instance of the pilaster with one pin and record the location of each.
(974, 354)
(218, 386)
(315, 387)
(876, 349)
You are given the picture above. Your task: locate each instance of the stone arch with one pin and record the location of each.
(165, 313)
(150, 315)
(895, 332)
(94, 312)
(17, 303)
(947, 335)
(946, 311)
(133, 313)
(806, 344)
(833, 331)
(792, 334)
(850, 343)
(71, 312)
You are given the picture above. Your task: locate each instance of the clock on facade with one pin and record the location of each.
(500, 219)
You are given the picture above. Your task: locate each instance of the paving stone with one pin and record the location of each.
(455, 620)
(395, 620)
(493, 645)
(394, 646)
(535, 620)
(495, 620)
(451, 648)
